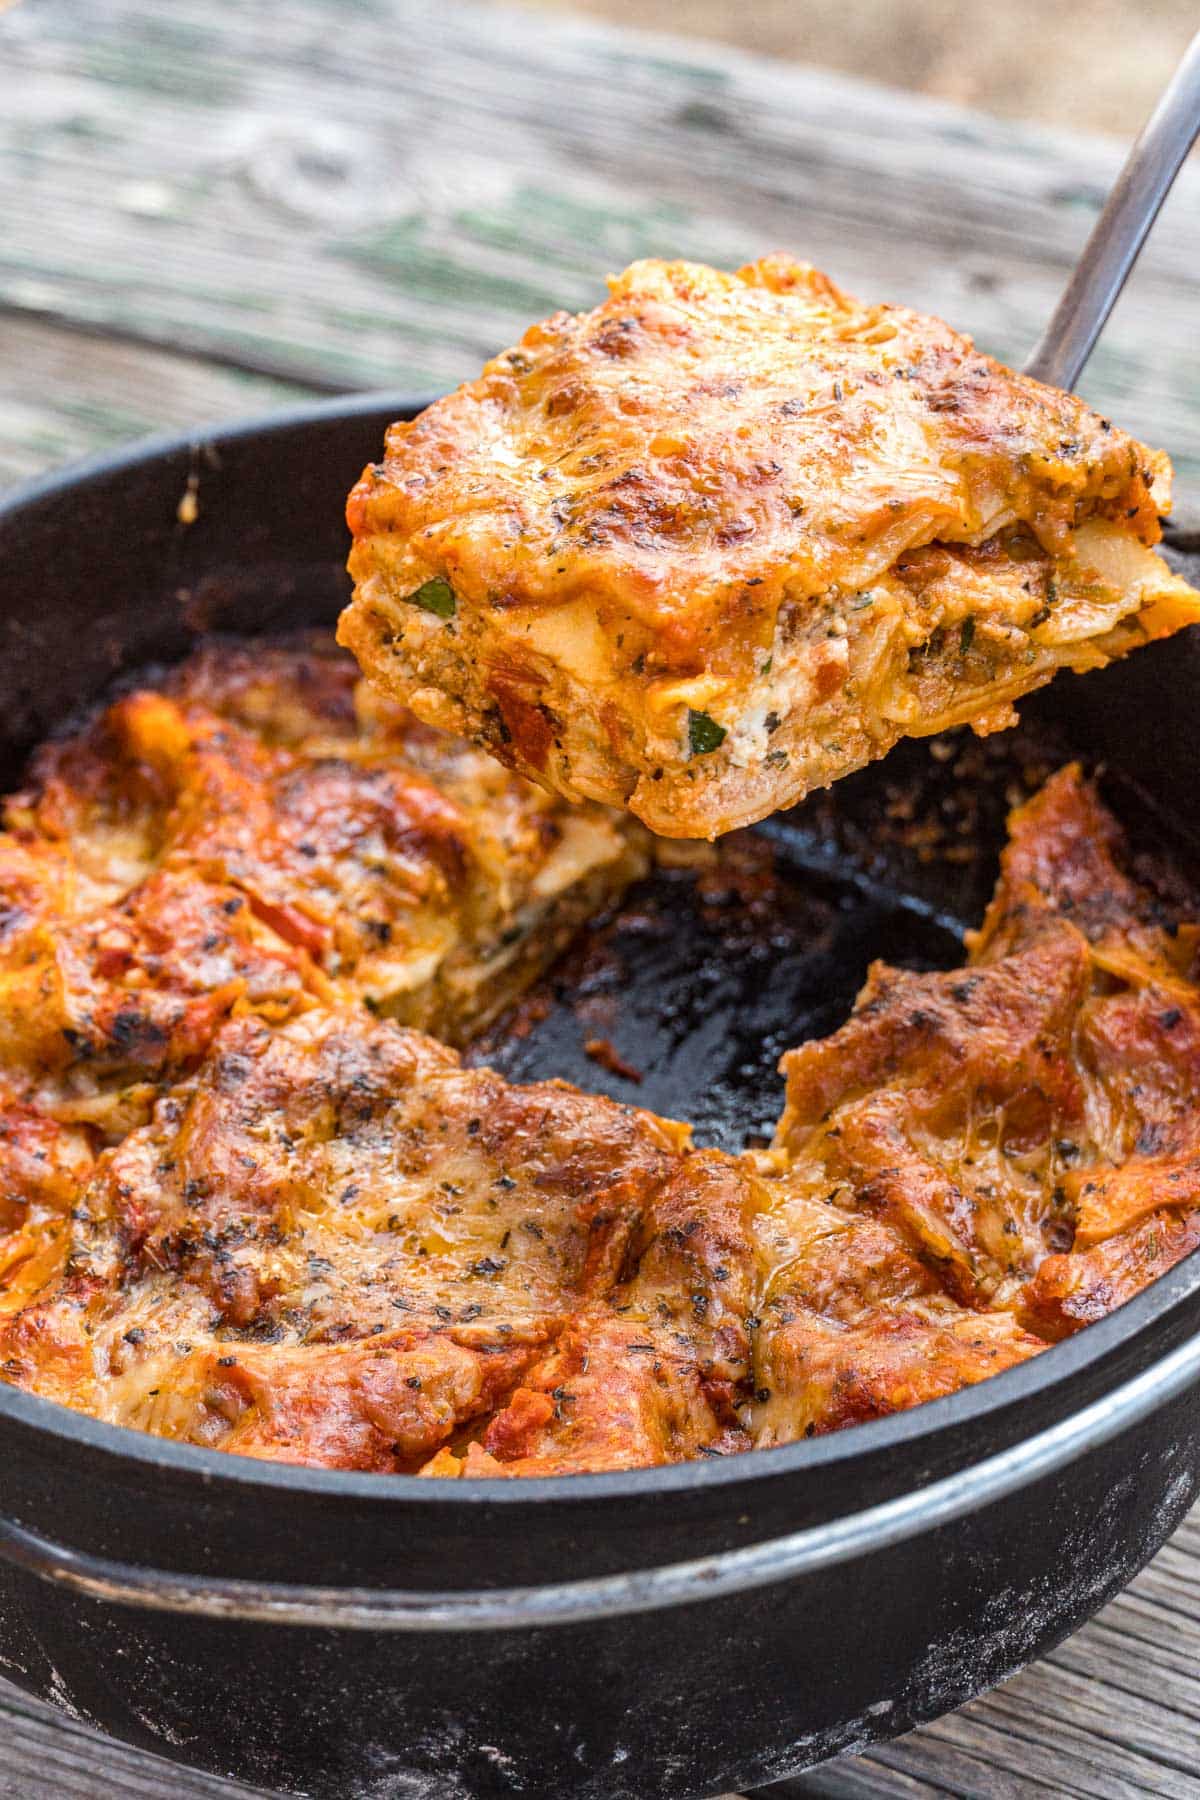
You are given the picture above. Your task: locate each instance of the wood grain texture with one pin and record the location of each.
(65, 393)
(382, 192)
(208, 211)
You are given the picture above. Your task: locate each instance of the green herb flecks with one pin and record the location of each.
(966, 633)
(435, 596)
(704, 734)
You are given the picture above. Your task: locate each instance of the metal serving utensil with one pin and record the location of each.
(1121, 229)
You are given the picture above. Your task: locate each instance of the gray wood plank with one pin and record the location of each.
(65, 393)
(384, 193)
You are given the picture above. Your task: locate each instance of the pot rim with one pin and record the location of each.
(810, 1549)
(1055, 1367)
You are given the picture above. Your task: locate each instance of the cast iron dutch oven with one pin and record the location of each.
(667, 1632)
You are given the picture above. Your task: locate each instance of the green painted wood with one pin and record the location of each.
(382, 192)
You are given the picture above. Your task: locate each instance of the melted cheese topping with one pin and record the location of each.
(257, 834)
(333, 1244)
(728, 537)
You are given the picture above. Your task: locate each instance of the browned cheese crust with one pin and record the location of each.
(333, 1244)
(258, 833)
(337, 1246)
(984, 1160)
(727, 537)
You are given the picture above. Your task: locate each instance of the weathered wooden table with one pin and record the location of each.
(212, 209)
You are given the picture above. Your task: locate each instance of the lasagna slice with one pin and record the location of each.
(728, 537)
(253, 833)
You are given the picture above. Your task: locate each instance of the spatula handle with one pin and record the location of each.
(1121, 229)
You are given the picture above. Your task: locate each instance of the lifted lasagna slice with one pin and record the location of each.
(728, 537)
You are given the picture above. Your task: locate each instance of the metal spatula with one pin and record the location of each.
(1121, 229)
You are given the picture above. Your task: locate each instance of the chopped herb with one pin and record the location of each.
(966, 634)
(766, 668)
(704, 734)
(436, 596)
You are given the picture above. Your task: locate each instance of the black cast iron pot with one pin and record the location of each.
(667, 1632)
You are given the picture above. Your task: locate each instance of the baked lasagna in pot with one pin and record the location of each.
(728, 537)
(273, 1222)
